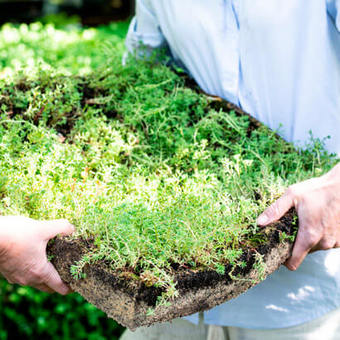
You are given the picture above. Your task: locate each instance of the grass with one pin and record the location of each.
(137, 161)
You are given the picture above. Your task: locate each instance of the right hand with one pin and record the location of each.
(23, 258)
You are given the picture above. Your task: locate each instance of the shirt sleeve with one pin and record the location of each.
(144, 33)
(333, 7)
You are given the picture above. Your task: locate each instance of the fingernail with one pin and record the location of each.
(263, 219)
(291, 267)
(65, 290)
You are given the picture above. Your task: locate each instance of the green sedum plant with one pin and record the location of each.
(143, 166)
(149, 170)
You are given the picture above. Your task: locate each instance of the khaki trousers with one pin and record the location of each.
(324, 328)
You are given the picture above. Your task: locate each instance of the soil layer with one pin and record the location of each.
(123, 297)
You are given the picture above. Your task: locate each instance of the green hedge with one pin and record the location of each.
(26, 313)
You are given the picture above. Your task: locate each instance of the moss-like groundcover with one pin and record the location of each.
(154, 175)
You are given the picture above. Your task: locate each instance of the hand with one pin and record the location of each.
(317, 202)
(23, 257)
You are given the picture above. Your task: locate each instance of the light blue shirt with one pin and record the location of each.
(279, 60)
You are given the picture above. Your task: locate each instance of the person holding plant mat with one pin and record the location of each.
(23, 257)
(279, 61)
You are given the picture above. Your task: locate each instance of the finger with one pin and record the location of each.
(56, 227)
(325, 244)
(44, 288)
(276, 210)
(53, 280)
(304, 242)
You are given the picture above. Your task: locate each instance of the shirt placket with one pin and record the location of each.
(230, 62)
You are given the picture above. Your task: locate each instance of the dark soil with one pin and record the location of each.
(127, 299)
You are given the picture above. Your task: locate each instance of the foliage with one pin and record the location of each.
(28, 314)
(67, 48)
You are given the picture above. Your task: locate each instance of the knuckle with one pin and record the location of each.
(292, 191)
(36, 274)
(310, 243)
(273, 210)
(37, 277)
(296, 194)
(311, 240)
(45, 277)
(327, 244)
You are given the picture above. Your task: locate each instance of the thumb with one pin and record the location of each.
(276, 210)
(56, 227)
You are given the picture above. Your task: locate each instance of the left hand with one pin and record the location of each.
(317, 202)
(23, 257)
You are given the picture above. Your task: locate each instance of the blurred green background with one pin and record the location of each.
(56, 37)
(91, 12)
(26, 313)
